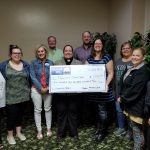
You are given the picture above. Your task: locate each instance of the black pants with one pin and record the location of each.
(85, 110)
(105, 114)
(67, 114)
(14, 115)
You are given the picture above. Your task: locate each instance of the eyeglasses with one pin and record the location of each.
(17, 53)
(126, 48)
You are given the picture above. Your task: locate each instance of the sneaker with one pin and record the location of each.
(11, 140)
(21, 137)
(120, 132)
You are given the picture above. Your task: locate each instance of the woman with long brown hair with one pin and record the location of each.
(104, 102)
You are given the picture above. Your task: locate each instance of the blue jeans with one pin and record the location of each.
(120, 116)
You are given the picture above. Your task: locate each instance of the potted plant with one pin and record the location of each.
(147, 47)
(139, 40)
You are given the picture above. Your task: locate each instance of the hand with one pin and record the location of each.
(119, 99)
(149, 121)
(50, 91)
(44, 90)
(106, 89)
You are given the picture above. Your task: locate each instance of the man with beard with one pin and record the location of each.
(81, 53)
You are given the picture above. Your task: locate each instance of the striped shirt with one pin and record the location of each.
(101, 97)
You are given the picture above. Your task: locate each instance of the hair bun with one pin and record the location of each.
(11, 46)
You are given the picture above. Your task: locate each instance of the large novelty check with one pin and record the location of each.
(77, 78)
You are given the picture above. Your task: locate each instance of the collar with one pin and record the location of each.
(52, 49)
(39, 61)
(68, 61)
(89, 46)
(139, 66)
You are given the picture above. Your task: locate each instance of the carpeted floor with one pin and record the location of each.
(86, 142)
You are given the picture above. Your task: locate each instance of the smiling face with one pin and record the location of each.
(16, 55)
(126, 51)
(137, 57)
(98, 45)
(41, 53)
(86, 37)
(52, 42)
(68, 52)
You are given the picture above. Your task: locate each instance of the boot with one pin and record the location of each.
(102, 123)
(100, 135)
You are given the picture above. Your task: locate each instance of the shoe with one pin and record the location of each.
(49, 133)
(120, 132)
(99, 136)
(97, 131)
(11, 140)
(1, 146)
(21, 137)
(39, 136)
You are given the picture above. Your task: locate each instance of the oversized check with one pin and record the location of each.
(77, 78)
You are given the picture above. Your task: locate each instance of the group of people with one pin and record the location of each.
(25, 81)
(132, 79)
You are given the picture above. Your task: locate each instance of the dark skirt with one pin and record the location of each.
(101, 97)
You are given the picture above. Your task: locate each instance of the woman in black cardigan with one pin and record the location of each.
(132, 95)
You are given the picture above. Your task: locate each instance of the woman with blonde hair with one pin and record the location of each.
(133, 84)
(39, 73)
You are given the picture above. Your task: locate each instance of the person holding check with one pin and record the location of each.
(67, 102)
(104, 102)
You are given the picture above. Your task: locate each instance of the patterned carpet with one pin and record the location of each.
(86, 142)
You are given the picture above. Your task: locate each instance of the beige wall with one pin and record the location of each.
(127, 17)
(138, 16)
(28, 23)
(147, 16)
(120, 20)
